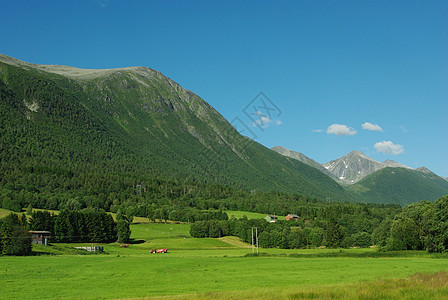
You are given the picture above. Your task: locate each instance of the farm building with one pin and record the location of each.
(40, 237)
(271, 218)
(291, 217)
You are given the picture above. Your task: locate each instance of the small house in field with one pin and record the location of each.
(291, 217)
(40, 237)
(271, 218)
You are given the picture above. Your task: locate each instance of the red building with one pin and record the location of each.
(291, 217)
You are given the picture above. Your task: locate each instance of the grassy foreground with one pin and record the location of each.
(418, 286)
(108, 276)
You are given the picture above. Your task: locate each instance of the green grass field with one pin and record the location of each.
(109, 276)
(250, 215)
(218, 269)
(4, 212)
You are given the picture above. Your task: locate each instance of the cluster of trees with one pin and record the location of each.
(419, 226)
(78, 226)
(123, 227)
(422, 225)
(67, 226)
(14, 236)
(281, 234)
(333, 225)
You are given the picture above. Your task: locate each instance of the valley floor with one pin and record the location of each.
(217, 268)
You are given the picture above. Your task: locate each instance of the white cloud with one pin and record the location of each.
(389, 148)
(403, 128)
(264, 121)
(339, 130)
(372, 127)
(316, 130)
(103, 3)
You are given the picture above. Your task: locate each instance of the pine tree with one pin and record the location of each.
(333, 234)
(123, 231)
(15, 239)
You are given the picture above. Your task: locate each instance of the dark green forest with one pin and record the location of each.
(69, 226)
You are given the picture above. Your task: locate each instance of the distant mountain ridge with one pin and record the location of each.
(378, 182)
(356, 165)
(348, 169)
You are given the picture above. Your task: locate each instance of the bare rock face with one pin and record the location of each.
(356, 165)
(353, 167)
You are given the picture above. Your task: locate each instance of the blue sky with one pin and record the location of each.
(328, 67)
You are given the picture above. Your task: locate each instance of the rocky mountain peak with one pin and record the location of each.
(352, 167)
(424, 170)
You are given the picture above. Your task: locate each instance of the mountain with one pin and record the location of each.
(425, 170)
(352, 167)
(68, 132)
(371, 181)
(399, 185)
(356, 165)
(394, 164)
(346, 170)
(303, 158)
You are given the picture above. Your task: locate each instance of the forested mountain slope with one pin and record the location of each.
(68, 133)
(400, 186)
(303, 158)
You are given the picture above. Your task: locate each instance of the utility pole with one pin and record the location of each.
(256, 239)
(252, 231)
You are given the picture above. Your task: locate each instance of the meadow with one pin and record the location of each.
(218, 269)
(250, 215)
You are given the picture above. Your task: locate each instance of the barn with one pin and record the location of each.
(291, 217)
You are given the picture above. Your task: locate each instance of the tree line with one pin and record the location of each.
(76, 226)
(330, 225)
(422, 225)
(419, 226)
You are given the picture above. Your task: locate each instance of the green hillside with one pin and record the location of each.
(400, 186)
(94, 135)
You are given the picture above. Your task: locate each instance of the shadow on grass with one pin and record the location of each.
(136, 242)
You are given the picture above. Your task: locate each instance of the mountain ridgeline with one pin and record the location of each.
(70, 134)
(378, 182)
(400, 185)
(356, 165)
